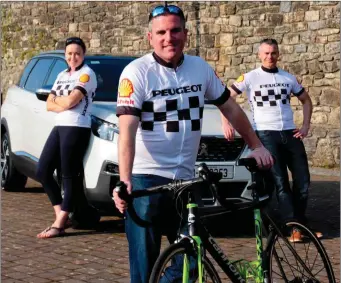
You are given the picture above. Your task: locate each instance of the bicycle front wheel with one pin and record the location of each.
(286, 266)
(169, 266)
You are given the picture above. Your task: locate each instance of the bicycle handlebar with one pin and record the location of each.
(178, 186)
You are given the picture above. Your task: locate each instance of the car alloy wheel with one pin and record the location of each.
(4, 161)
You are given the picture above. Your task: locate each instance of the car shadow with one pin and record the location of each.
(103, 227)
(324, 200)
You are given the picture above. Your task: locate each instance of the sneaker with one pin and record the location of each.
(296, 236)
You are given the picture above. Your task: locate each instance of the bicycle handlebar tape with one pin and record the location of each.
(121, 190)
(250, 163)
(203, 171)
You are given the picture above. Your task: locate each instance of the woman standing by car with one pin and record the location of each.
(71, 97)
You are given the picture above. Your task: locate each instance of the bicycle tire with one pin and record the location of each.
(170, 252)
(286, 268)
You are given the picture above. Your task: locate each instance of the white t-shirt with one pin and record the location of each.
(170, 104)
(83, 79)
(268, 93)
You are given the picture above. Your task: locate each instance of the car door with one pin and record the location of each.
(32, 107)
(46, 119)
(15, 106)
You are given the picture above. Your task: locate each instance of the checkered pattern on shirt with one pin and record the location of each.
(269, 98)
(64, 89)
(170, 112)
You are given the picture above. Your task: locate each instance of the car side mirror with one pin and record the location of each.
(43, 93)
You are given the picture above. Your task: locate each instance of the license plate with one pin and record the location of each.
(226, 171)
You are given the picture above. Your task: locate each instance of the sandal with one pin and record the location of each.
(51, 232)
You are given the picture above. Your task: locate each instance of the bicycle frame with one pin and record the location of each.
(202, 240)
(197, 228)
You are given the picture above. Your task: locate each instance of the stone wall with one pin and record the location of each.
(226, 34)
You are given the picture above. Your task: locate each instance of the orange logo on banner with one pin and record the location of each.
(84, 78)
(125, 88)
(240, 79)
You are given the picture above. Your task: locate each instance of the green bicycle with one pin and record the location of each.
(186, 260)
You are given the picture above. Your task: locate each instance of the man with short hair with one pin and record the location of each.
(160, 108)
(268, 90)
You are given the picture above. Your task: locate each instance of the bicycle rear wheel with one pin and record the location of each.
(169, 266)
(285, 266)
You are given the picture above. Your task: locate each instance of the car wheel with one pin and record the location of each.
(84, 216)
(11, 178)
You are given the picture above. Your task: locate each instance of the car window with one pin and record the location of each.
(108, 73)
(26, 72)
(36, 78)
(59, 66)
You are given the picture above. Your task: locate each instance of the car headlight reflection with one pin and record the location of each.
(102, 129)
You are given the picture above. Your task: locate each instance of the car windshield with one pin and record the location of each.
(108, 73)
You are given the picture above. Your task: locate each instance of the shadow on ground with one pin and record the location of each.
(323, 214)
(33, 190)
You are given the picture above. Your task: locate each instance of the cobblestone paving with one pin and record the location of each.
(102, 255)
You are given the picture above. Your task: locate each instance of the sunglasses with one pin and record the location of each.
(73, 40)
(170, 9)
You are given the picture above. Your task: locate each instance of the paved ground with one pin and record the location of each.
(101, 256)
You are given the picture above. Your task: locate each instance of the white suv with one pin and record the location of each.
(25, 126)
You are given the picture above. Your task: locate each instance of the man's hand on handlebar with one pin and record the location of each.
(263, 157)
(120, 204)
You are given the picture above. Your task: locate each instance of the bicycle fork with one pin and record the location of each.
(195, 242)
(261, 272)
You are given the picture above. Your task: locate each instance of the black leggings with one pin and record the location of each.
(64, 149)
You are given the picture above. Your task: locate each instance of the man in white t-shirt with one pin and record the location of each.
(160, 109)
(268, 90)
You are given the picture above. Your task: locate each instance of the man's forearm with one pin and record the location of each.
(126, 154)
(236, 116)
(307, 112)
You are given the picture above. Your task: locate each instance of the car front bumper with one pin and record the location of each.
(101, 175)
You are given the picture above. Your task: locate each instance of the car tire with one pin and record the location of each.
(84, 216)
(11, 178)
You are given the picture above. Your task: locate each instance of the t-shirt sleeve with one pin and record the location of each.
(131, 92)
(216, 90)
(240, 85)
(297, 88)
(87, 82)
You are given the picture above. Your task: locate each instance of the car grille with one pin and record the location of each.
(219, 149)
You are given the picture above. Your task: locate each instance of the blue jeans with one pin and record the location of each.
(289, 152)
(145, 243)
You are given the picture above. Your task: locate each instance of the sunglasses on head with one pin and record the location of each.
(170, 9)
(73, 40)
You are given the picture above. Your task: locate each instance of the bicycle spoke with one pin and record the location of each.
(297, 262)
(309, 264)
(304, 262)
(285, 257)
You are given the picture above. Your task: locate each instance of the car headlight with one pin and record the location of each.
(103, 129)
